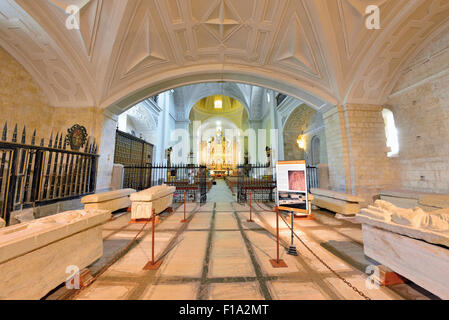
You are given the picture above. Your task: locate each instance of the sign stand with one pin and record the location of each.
(292, 249)
(292, 194)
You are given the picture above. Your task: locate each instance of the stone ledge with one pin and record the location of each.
(107, 196)
(427, 235)
(337, 195)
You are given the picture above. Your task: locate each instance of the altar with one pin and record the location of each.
(220, 155)
(221, 171)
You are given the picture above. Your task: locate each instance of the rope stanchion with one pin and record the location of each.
(326, 265)
(105, 268)
(360, 293)
(74, 295)
(250, 208)
(153, 265)
(185, 205)
(277, 263)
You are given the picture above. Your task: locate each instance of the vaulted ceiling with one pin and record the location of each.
(316, 50)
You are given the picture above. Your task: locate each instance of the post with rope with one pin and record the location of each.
(277, 263)
(250, 208)
(292, 249)
(185, 204)
(153, 265)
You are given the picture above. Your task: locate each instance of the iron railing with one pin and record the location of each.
(257, 179)
(312, 177)
(190, 178)
(32, 175)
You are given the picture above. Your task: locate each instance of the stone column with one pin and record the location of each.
(370, 166)
(253, 141)
(106, 150)
(337, 150)
(357, 151)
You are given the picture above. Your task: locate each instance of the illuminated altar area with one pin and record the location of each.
(219, 154)
(220, 122)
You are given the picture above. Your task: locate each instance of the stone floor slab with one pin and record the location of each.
(181, 291)
(235, 291)
(288, 290)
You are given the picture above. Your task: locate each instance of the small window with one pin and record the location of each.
(315, 151)
(391, 133)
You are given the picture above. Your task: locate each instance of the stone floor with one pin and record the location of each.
(217, 254)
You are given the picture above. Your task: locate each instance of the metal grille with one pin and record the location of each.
(130, 150)
(190, 178)
(312, 178)
(33, 175)
(257, 179)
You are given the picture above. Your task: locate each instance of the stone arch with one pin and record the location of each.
(232, 90)
(147, 88)
(294, 126)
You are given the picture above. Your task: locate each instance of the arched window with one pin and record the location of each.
(315, 150)
(391, 133)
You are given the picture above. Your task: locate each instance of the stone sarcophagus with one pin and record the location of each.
(111, 200)
(342, 203)
(411, 242)
(158, 198)
(38, 256)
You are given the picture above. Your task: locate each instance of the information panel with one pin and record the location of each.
(291, 180)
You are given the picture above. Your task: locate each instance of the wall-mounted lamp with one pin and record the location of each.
(301, 141)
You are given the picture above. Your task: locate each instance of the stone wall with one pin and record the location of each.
(371, 169)
(310, 123)
(420, 103)
(337, 150)
(356, 144)
(107, 149)
(22, 101)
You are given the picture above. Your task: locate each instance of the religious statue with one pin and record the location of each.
(268, 151)
(168, 156)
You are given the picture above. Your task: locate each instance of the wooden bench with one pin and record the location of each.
(112, 200)
(341, 203)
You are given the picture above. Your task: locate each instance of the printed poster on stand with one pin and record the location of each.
(291, 182)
